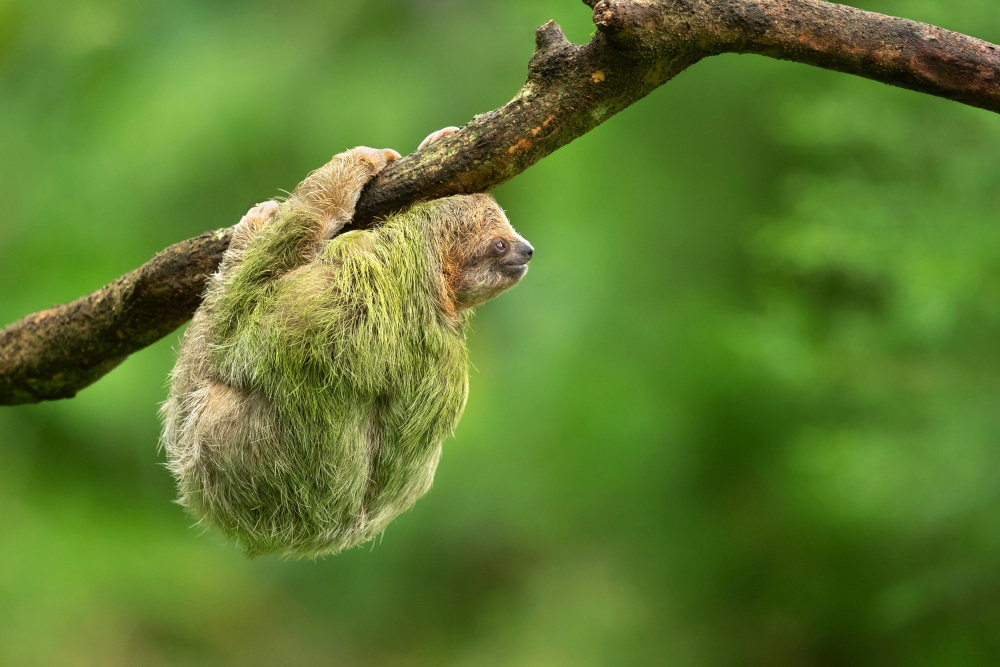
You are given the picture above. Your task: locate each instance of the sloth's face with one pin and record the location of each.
(495, 259)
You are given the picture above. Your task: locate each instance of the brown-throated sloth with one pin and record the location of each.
(321, 373)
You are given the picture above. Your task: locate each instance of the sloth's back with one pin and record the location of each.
(313, 433)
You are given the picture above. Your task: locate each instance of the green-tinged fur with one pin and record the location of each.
(318, 379)
(335, 354)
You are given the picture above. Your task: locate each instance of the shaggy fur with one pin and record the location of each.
(318, 379)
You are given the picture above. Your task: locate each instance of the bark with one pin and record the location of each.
(570, 89)
(56, 352)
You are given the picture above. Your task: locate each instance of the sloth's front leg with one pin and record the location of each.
(434, 136)
(322, 203)
(331, 192)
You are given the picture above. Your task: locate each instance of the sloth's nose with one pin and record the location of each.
(526, 250)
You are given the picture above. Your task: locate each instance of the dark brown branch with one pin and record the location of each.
(56, 352)
(892, 50)
(570, 89)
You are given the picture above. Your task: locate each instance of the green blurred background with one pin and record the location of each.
(744, 410)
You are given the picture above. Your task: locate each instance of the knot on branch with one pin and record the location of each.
(551, 49)
(549, 37)
(662, 27)
(608, 16)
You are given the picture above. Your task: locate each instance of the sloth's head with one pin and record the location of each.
(481, 254)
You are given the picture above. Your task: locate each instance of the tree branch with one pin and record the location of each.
(892, 50)
(570, 89)
(56, 352)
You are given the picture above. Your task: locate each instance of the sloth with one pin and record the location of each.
(321, 373)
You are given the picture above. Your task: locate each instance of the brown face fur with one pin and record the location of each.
(482, 254)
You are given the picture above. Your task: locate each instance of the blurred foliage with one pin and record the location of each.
(743, 410)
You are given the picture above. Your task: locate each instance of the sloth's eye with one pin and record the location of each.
(499, 246)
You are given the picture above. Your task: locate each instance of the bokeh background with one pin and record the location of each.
(744, 410)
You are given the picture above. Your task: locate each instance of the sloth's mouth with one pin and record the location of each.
(515, 271)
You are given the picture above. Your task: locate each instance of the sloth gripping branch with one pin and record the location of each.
(570, 89)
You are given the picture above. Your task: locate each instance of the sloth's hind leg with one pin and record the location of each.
(243, 234)
(247, 229)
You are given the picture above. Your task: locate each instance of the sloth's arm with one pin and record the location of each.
(324, 201)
